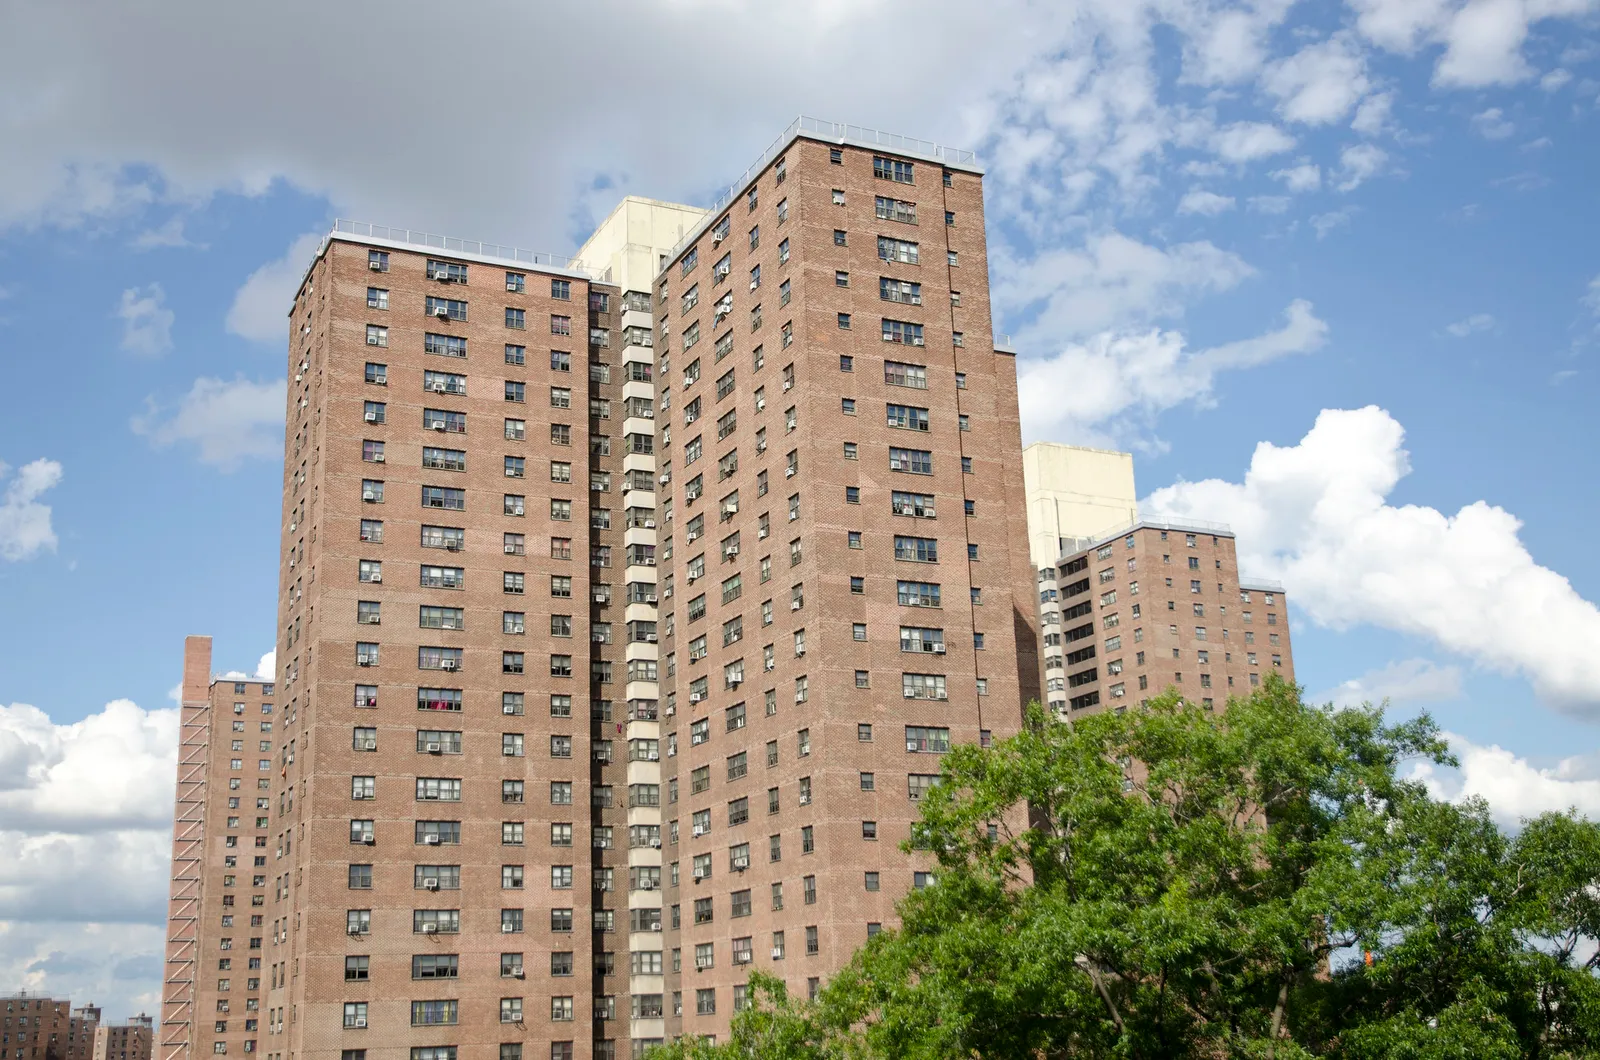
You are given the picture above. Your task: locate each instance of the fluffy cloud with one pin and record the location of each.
(1320, 83)
(1208, 203)
(1359, 163)
(1409, 681)
(86, 820)
(1324, 223)
(1470, 325)
(1248, 141)
(1492, 124)
(1514, 788)
(1314, 515)
(1374, 116)
(25, 528)
(1306, 176)
(260, 309)
(146, 320)
(1133, 376)
(1112, 281)
(227, 422)
(1482, 39)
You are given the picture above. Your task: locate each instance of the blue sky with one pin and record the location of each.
(1364, 234)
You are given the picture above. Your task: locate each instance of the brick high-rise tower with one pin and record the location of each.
(846, 587)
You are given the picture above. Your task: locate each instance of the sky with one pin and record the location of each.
(1329, 271)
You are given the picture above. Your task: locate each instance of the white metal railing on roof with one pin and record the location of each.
(452, 245)
(1075, 545)
(841, 132)
(1266, 585)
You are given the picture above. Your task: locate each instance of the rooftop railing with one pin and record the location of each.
(453, 245)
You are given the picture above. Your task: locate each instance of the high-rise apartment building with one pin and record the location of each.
(1155, 606)
(34, 1027)
(130, 1040)
(533, 793)
(846, 588)
(217, 908)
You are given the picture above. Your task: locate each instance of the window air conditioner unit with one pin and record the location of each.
(443, 313)
(649, 638)
(372, 417)
(448, 664)
(740, 864)
(788, 384)
(650, 598)
(938, 649)
(354, 931)
(375, 578)
(431, 840)
(437, 425)
(777, 953)
(506, 929)
(375, 266)
(511, 550)
(695, 697)
(671, 711)
(741, 958)
(655, 844)
(788, 472)
(443, 276)
(369, 495)
(364, 661)
(655, 927)
(430, 929)
(438, 388)
(702, 963)
(691, 578)
(716, 238)
(761, 403)
(894, 465)
(369, 840)
(691, 535)
(433, 749)
(430, 885)
(730, 508)
(361, 1023)
(731, 551)
(794, 605)
(649, 524)
(761, 447)
(699, 874)
(652, 756)
(369, 745)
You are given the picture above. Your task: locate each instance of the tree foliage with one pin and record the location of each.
(1169, 882)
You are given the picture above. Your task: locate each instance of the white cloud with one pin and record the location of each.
(1304, 177)
(1112, 281)
(1248, 141)
(86, 821)
(1320, 83)
(1514, 788)
(1315, 516)
(1358, 163)
(1208, 203)
(260, 309)
(1492, 124)
(1096, 390)
(25, 528)
(146, 321)
(1591, 296)
(267, 668)
(1228, 46)
(1555, 80)
(169, 235)
(1470, 325)
(1539, 144)
(1327, 222)
(1374, 115)
(1408, 681)
(229, 422)
(1270, 204)
(1482, 39)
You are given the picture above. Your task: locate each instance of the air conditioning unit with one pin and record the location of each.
(690, 578)
(375, 266)
(716, 238)
(508, 708)
(443, 276)
(649, 638)
(761, 403)
(730, 508)
(438, 388)
(761, 447)
(666, 593)
(650, 598)
(894, 465)
(938, 649)
(437, 425)
(359, 795)
(670, 711)
(912, 745)
(506, 929)
(691, 535)
(695, 697)
(740, 864)
(805, 800)
(649, 524)
(647, 885)
(430, 929)
(788, 384)
(369, 840)
(430, 840)
(369, 495)
(731, 551)
(794, 605)
(375, 578)
(361, 1023)
(700, 874)
(777, 953)
(443, 313)
(655, 844)
(511, 550)
(433, 749)
(364, 661)
(702, 963)
(354, 931)
(655, 927)
(430, 885)
(448, 664)
(372, 417)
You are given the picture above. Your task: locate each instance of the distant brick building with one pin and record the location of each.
(132, 1040)
(33, 1027)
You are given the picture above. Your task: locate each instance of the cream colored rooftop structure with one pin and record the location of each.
(1074, 492)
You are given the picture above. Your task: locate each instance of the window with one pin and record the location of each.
(892, 169)
(916, 549)
(839, 237)
(907, 417)
(923, 686)
(377, 336)
(378, 260)
(377, 374)
(897, 250)
(913, 461)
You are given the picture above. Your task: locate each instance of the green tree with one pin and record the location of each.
(1169, 882)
